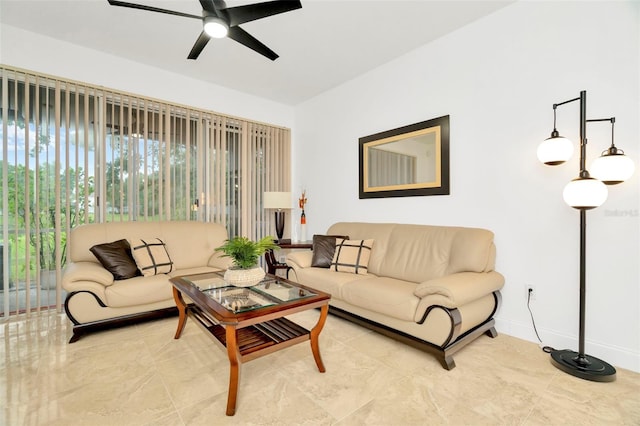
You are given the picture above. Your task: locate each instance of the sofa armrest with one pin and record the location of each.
(86, 271)
(456, 290)
(300, 259)
(217, 260)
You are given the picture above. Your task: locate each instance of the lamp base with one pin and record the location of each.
(279, 224)
(586, 367)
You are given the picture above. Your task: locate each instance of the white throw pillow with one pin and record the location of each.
(351, 256)
(151, 256)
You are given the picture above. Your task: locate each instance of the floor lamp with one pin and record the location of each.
(584, 193)
(278, 201)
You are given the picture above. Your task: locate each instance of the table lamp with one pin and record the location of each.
(278, 201)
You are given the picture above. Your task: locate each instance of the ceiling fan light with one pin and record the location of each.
(215, 27)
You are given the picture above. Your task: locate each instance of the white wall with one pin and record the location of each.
(498, 78)
(23, 49)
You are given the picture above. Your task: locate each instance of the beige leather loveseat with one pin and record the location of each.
(96, 300)
(433, 287)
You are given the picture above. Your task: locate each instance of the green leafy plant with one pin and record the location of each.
(244, 252)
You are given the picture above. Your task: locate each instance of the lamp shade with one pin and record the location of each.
(555, 150)
(613, 167)
(585, 193)
(277, 200)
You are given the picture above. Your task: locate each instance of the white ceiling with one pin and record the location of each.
(322, 45)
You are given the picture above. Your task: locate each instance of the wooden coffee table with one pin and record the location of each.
(249, 322)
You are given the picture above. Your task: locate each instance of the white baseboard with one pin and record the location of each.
(616, 356)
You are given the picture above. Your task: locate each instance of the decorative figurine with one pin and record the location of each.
(303, 218)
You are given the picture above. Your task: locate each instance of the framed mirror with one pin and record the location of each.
(405, 162)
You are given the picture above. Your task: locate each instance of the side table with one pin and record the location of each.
(272, 263)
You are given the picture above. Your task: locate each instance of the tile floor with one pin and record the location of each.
(140, 375)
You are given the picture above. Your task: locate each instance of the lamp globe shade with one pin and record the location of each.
(613, 167)
(555, 150)
(585, 193)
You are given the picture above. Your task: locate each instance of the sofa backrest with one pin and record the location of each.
(418, 253)
(189, 244)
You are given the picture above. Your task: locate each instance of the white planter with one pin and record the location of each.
(244, 277)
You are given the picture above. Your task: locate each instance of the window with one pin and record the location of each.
(72, 154)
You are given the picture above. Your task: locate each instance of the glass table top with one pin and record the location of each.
(268, 292)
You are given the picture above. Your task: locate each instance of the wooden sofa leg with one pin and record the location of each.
(447, 362)
(491, 332)
(76, 336)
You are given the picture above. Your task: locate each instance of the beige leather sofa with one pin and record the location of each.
(433, 287)
(95, 300)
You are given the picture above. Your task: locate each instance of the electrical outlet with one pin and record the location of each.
(529, 289)
(283, 259)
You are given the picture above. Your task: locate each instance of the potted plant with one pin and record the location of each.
(245, 253)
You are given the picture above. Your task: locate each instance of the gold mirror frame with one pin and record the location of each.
(406, 162)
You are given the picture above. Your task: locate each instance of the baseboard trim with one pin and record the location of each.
(615, 355)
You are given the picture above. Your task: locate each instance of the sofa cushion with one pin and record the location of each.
(326, 280)
(324, 247)
(422, 252)
(151, 256)
(139, 291)
(351, 256)
(116, 258)
(384, 295)
(198, 249)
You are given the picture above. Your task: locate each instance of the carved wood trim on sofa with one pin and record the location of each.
(80, 329)
(443, 353)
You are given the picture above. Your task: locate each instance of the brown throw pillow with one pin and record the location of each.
(352, 256)
(116, 258)
(324, 246)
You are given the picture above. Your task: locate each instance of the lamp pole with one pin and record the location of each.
(583, 231)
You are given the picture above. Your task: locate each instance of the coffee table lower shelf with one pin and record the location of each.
(258, 339)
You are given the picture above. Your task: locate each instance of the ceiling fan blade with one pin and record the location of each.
(243, 37)
(201, 42)
(151, 9)
(250, 12)
(209, 6)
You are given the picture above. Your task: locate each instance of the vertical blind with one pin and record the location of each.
(391, 168)
(73, 153)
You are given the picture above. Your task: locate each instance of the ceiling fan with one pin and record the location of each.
(220, 21)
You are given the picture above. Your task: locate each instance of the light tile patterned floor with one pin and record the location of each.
(140, 375)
